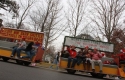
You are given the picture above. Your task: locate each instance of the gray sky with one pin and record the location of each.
(59, 41)
(8, 18)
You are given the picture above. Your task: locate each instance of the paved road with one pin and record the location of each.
(12, 71)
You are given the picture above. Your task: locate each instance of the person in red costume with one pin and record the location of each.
(72, 56)
(122, 56)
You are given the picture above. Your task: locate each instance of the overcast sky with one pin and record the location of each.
(8, 18)
(57, 43)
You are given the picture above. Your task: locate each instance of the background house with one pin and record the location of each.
(85, 36)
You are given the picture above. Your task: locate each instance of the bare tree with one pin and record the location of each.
(26, 6)
(118, 39)
(38, 18)
(52, 21)
(10, 24)
(10, 6)
(76, 14)
(51, 50)
(48, 20)
(107, 15)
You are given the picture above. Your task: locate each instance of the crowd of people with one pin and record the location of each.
(84, 55)
(121, 55)
(88, 57)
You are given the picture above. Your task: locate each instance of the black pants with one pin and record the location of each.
(122, 61)
(73, 60)
(80, 60)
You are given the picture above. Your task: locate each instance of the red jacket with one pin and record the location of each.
(96, 56)
(121, 56)
(123, 50)
(72, 52)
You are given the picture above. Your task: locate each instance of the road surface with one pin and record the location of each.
(12, 71)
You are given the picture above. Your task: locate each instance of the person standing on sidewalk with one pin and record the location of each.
(1, 25)
(56, 61)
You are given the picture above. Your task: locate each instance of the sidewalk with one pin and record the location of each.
(46, 65)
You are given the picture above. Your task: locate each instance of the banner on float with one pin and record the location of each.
(81, 43)
(18, 34)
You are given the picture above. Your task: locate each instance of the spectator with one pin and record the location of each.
(56, 61)
(72, 56)
(1, 25)
(96, 58)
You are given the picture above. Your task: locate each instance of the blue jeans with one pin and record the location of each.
(53, 65)
(30, 54)
(54, 62)
(19, 51)
(14, 51)
(73, 60)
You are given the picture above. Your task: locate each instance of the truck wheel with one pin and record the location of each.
(26, 63)
(5, 59)
(70, 71)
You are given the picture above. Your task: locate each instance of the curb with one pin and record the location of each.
(47, 65)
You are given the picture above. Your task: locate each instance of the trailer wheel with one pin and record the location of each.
(120, 77)
(19, 62)
(70, 71)
(94, 75)
(5, 59)
(100, 75)
(26, 63)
